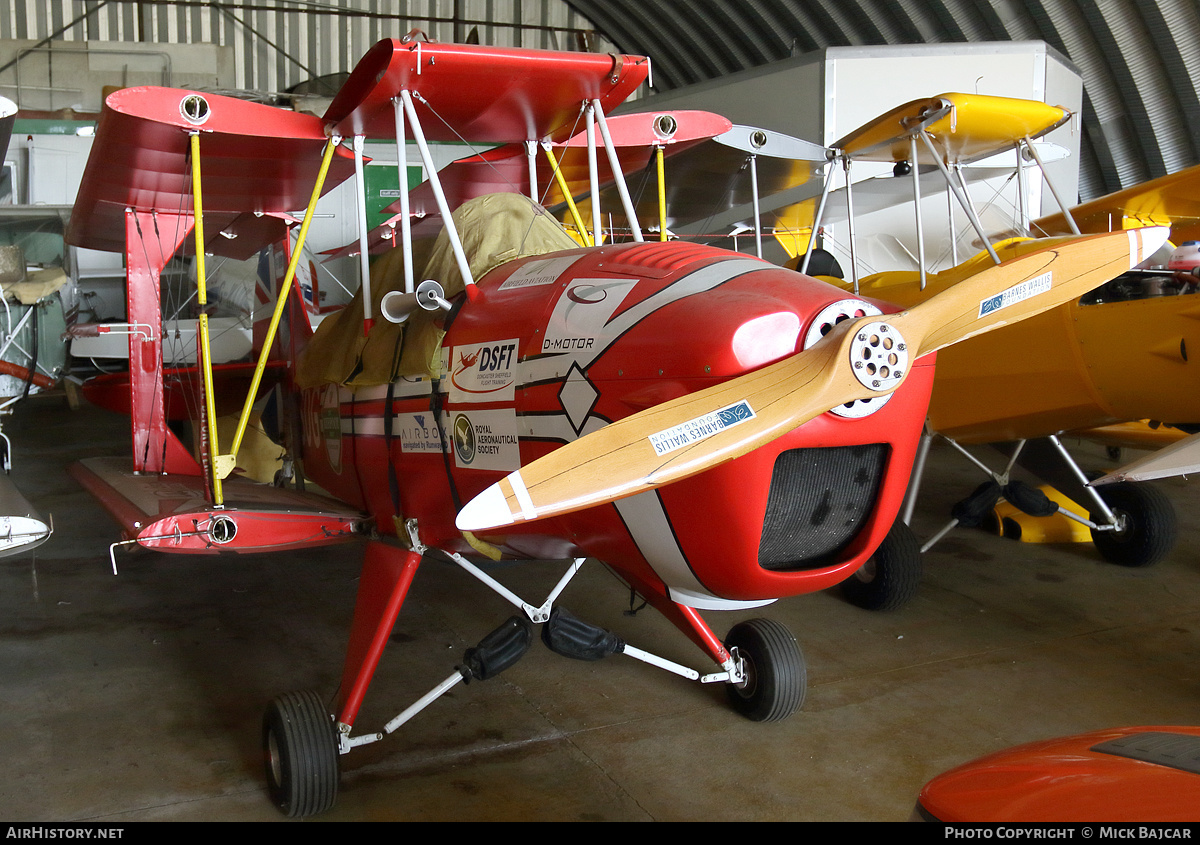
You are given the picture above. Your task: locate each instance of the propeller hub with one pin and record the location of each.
(879, 356)
(830, 316)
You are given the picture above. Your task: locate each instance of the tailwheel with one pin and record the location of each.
(890, 577)
(776, 679)
(1146, 527)
(301, 751)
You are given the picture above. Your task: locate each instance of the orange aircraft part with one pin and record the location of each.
(1104, 776)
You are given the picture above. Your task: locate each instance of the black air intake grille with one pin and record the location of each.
(818, 502)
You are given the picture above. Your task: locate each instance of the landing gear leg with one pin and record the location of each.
(301, 742)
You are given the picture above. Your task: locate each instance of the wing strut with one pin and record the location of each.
(1066, 212)
(364, 254)
(618, 173)
(402, 187)
(561, 181)
(225, 463)
(916, 180)
(439, 195)
(662, 193)
(210, 408)
(531, 159)
(754, 199)
(812, 237)
(960, 194)
(850, 223)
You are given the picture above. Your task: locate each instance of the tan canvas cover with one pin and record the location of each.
(36, 285)
(494, 229)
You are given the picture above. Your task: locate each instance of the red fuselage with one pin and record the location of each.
(556, 346)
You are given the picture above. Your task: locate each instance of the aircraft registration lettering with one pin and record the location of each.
(693, 431)
(1017, 293)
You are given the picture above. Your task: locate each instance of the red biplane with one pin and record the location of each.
(558, 401)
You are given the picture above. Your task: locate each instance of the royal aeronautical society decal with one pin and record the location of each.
(483, 372)
(479, 439)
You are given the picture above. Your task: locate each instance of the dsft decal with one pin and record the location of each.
(483, 372)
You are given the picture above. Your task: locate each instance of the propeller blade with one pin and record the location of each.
(858, 359)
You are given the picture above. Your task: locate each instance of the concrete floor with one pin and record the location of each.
(140, 697)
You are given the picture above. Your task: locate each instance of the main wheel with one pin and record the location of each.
(776, 678)
(890, 577)
(300, 746)
(1146, 529)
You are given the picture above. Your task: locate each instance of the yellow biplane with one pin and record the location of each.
(1119, 353)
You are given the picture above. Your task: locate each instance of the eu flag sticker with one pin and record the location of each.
(1017, 293)
(693, 431)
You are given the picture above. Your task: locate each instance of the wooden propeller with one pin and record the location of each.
(857, 360)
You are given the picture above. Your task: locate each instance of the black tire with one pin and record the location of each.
(301, 754)
(1149, 528)
(890, 577)
(776, 678)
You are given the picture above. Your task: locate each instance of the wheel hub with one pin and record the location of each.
(745, 667)
(273, 761)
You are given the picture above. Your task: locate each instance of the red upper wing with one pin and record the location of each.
(254, 158)
(479, 94)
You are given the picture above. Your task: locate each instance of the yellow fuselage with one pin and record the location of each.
(1075, 366)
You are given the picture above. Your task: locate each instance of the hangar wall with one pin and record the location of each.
(825, 95)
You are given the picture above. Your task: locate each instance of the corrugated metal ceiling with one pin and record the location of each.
(1140, 60)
